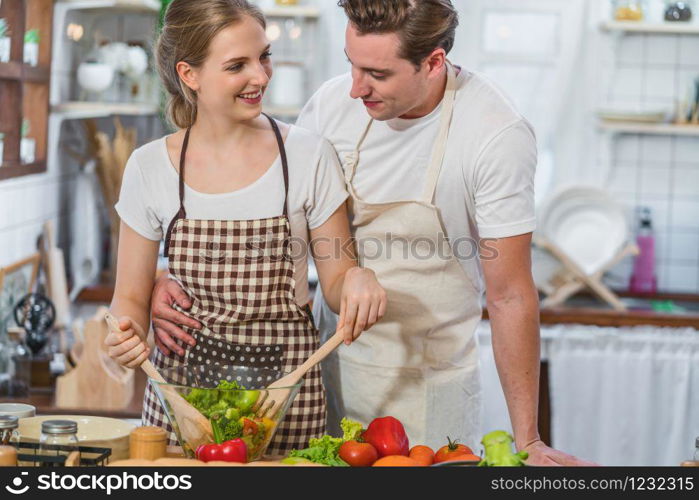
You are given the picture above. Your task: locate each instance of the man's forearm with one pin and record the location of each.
(515, 336)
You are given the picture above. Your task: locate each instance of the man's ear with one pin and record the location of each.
(188, 75)
(435, 62)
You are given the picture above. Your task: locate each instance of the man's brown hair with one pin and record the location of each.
(421, 25)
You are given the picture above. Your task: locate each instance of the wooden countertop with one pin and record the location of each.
(44, 401)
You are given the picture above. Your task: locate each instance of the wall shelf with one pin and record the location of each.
(677, 28)
(24, 89)
(143, 6)
(9, 170)
(291, 11)
(83, 110)
(282, 111)
(24, 72)
(649, 128)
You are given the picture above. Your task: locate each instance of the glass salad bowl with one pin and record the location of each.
(221, 399)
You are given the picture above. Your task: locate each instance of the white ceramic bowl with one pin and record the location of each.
(101, 432)
(17, 410)
(95, 77)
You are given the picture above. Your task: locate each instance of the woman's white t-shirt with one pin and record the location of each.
(149, 196)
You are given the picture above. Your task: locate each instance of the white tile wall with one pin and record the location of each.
(682, 278)
(685, 247)
(653, 71)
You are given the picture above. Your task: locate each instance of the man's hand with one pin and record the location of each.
(167, 321)
(542, 455)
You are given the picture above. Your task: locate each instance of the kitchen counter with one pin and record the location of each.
(44, 401)
(587, 310)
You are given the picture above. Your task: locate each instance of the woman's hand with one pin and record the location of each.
(362, 303)
(127, 346)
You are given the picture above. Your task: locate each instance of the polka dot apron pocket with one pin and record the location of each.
(210, 350)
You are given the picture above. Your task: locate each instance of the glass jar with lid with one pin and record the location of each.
(678, 11)
(628, 10)
(9, 430)
(59, 438)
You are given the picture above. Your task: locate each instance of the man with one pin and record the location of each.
(440, 168)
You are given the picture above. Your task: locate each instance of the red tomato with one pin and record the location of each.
(234, 450)
(249, 427)
(388, 436)
(209, 452)
(450, 450)
(358, 454)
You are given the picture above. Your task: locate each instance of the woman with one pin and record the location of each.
(228, 192)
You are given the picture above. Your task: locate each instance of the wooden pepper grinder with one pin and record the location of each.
(147, 443)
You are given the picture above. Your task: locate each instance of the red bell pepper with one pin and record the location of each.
(388, 436)
(234, 450)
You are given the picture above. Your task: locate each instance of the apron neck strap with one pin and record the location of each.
(440, 144)
(282, 152)
(285, 165)
(183, 213)
(353, 158)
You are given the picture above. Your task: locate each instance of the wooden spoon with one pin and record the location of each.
(266, 407)
(194, 427)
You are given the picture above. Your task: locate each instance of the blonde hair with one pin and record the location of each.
(188, 28)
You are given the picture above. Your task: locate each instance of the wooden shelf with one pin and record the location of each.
(282, 111)
(676, 28)
(24, 72)
(649, 128)
(9, 170)
(138, 6)
(292, 11)
(82, 110)
(24, 89)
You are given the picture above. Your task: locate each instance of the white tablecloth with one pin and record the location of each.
(619, 396)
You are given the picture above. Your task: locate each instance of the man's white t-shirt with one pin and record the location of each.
(149, 196)
(486, 184)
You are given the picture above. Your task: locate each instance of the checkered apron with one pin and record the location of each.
(239, 276)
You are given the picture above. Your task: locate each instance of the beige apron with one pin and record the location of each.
(420, 363)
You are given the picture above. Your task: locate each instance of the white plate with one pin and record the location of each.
(587, 224)
(101, 432)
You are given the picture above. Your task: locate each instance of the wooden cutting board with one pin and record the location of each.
(97, 382)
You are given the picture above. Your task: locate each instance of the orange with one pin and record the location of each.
(422, 454)
(396, 461)
(464, 457)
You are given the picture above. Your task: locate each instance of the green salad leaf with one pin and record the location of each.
(325, 450)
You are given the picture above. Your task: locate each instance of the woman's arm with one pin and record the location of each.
(351, 291)
(136, 265)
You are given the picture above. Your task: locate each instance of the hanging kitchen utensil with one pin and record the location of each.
(36, 314)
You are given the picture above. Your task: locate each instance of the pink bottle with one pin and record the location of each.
(643, 280)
